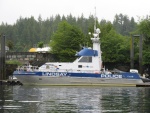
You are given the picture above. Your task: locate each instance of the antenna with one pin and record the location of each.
(95, 22)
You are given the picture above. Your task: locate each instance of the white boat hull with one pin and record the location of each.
(76, 81)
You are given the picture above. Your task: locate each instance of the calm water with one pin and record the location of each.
(23, 99)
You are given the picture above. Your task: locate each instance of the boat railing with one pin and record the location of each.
(27, 68)
(77, 71)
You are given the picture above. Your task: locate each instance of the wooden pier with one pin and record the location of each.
(146, 84)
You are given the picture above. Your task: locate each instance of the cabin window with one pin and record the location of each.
(86, 59)
(47, 66)
(79, 66)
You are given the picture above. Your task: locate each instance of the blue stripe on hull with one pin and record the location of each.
(125, 75)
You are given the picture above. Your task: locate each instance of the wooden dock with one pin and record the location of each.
(146, 84)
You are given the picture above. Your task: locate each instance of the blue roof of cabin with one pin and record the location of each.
(87, 52)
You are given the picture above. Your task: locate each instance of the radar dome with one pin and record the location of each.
(98, 30)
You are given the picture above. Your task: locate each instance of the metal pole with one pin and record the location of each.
(132, 53)
(140, 54)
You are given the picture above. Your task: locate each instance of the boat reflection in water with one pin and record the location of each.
(25, 99)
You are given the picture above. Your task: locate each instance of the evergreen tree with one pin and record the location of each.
(27, 32)
(123, 24)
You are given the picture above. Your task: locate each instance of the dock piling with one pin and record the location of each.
(2, 59)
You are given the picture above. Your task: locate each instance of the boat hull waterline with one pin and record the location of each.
(77, 79)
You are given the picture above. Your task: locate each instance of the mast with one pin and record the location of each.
(95, 22)
(96, 42)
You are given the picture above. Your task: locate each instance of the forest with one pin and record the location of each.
(68, 34)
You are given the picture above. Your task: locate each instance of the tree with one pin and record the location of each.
(10, 44)
(144, 29)
(65, 41)
(123, 24)
(115, 47)
(40, 44)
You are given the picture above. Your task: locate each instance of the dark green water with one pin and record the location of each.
(23, 99)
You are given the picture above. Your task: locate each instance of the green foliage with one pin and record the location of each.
(40, 44)
(13, 62)
(10, 44)
(124, 25)
(144, 29)
(146, 57)
(65, 41)
(68, 36)
(115, 47)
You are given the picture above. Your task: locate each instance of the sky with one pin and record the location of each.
(11, 10)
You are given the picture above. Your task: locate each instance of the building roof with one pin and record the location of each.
(44, 49)
(33, 50)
